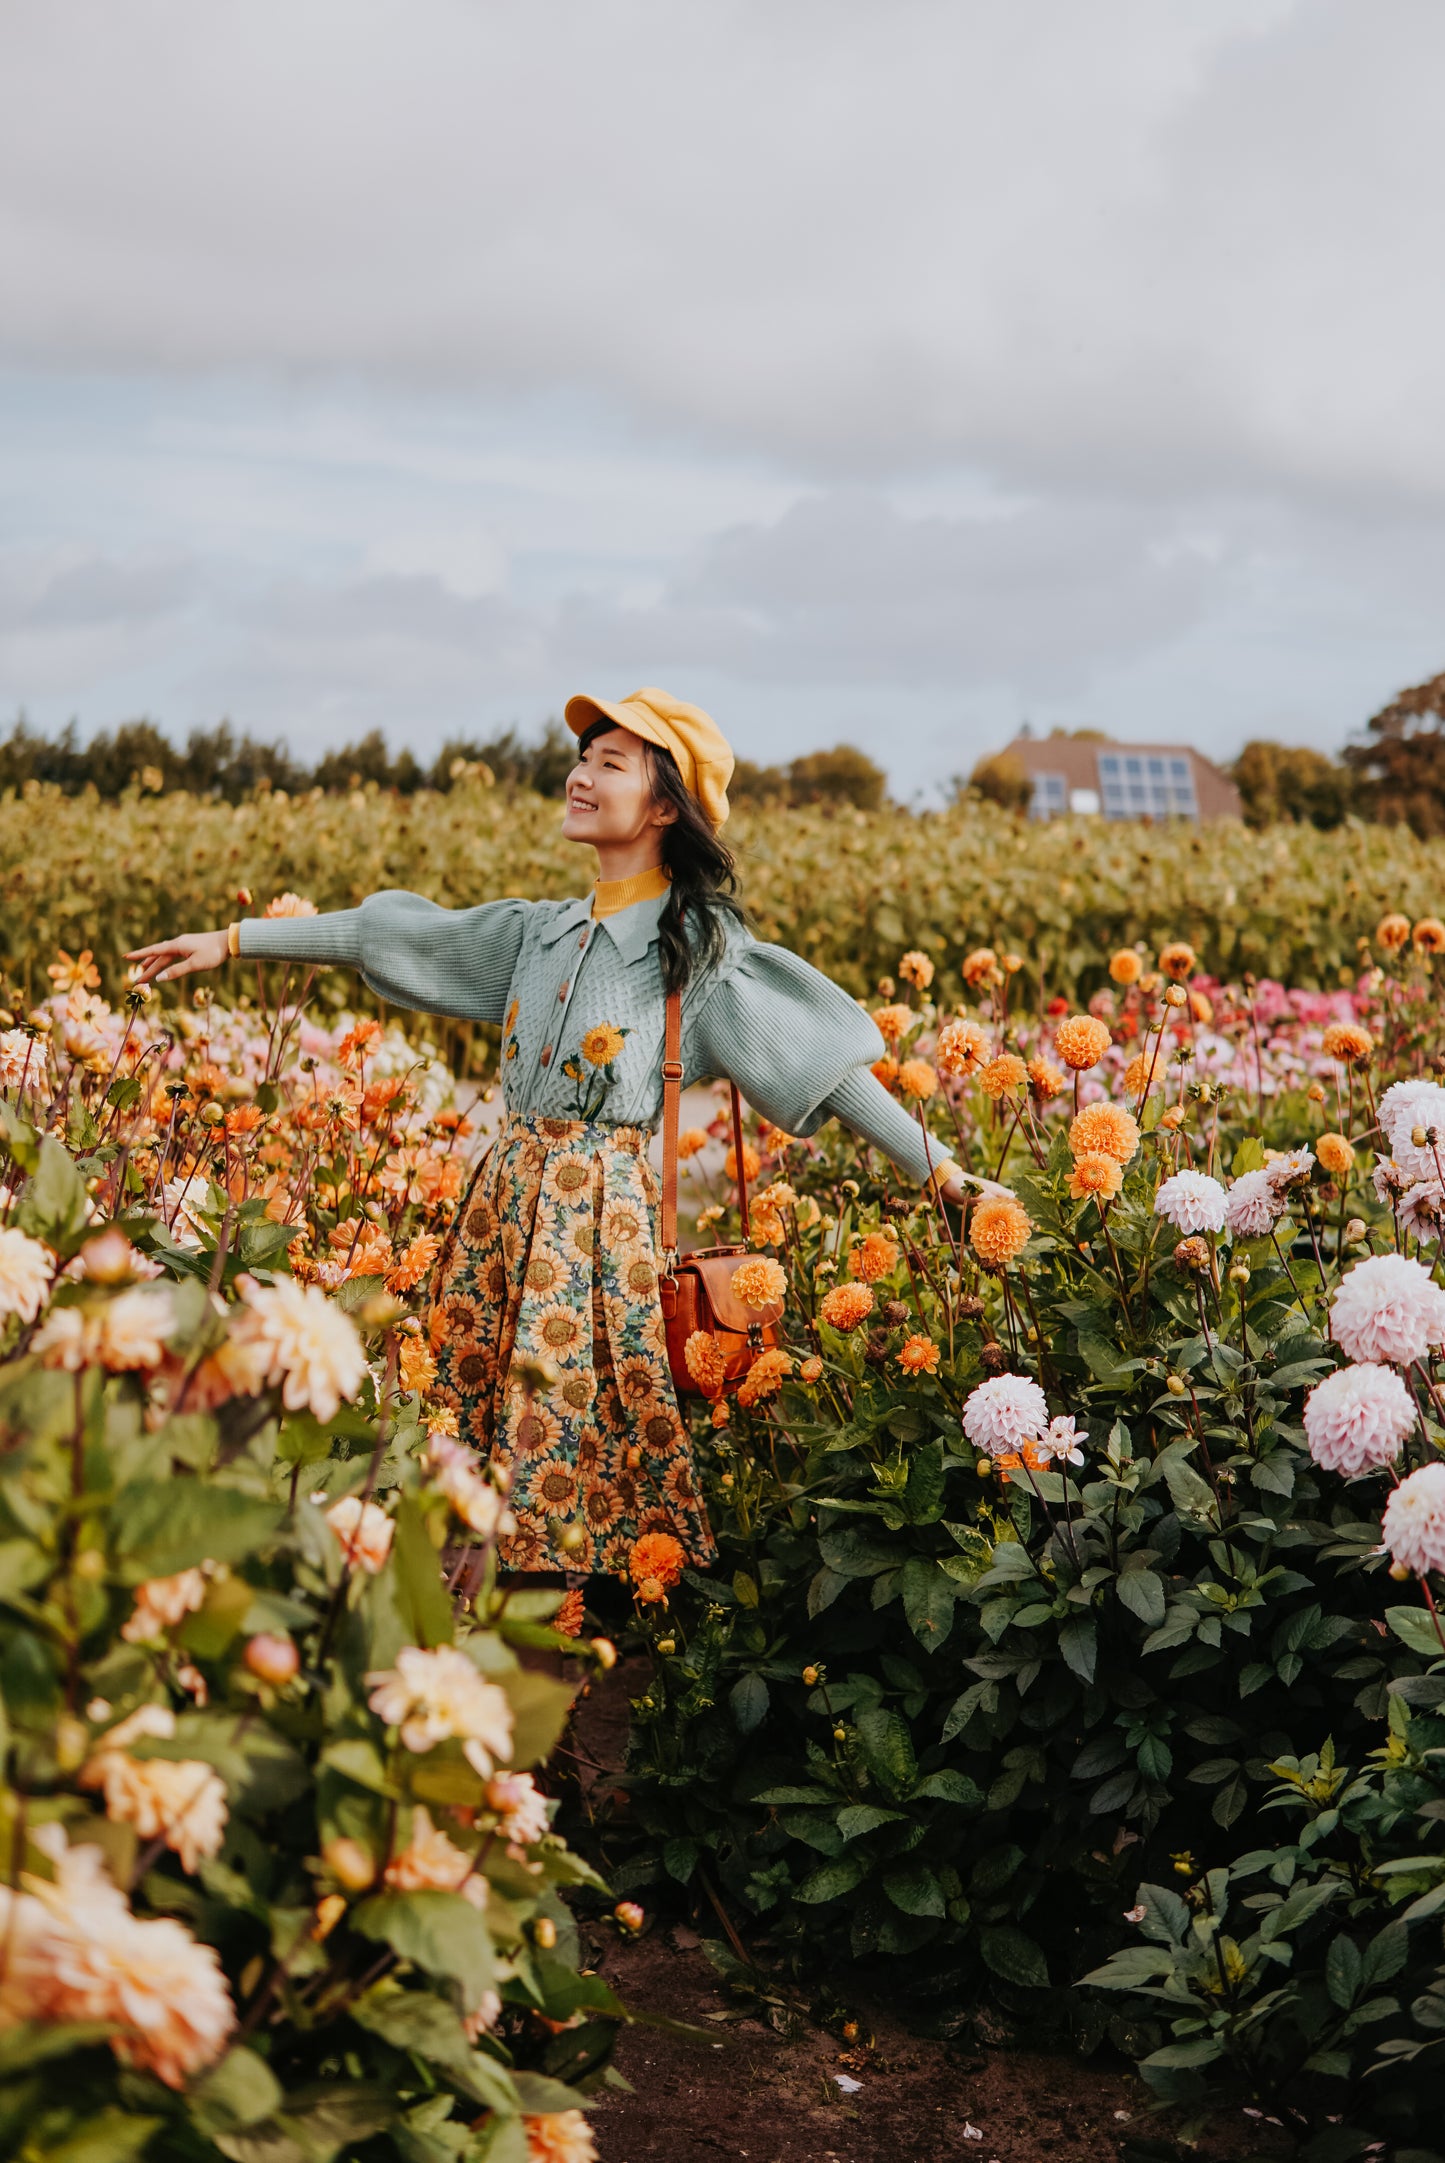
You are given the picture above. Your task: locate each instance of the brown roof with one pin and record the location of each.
(1076, 758)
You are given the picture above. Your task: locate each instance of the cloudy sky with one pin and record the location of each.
(889, 372)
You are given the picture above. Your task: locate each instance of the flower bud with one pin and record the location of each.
(72, 1742)
(810, 1677)
(850, 2031)
(272, 1659)
(1419, 1136)
(572, 1539)
(1176, 995)
(109, 1258)
(1239, 1273)
(629, 1916)
(984, 1468)
(1175, 1384)
(328, 1914)
(666, 1645)
(544, 1932)
(1399, 1571)
(604, 1652)
(349, 1861)
(212, 1115)
(840, 1734)
(1355, 1231)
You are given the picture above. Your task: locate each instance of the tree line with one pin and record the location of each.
(220, 763)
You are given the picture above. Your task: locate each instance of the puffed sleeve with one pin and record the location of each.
(411, 951)
(800, 1051)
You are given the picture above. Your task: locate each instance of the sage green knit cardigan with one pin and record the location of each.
(797, 1046)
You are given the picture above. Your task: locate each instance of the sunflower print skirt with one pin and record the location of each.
(551, 1259)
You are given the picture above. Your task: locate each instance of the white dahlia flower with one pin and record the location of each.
(1404, 1107)
(1004, 1413)
(1388, 1308)
(438, 1696)
(163, 1994)
(1192, 1202)
(1414, 1523)
(1357, 1418)
(307, 1344)
(364, 1530)
(25, 1268)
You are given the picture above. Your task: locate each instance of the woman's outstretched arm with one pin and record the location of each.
(801, 1051)
(410, 951)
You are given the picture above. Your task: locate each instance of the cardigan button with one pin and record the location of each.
(562, 991)
(583, 940)
(546, 1055)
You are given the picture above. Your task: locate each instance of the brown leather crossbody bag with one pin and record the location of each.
(695, 1289)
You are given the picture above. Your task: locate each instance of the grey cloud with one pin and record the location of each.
(1125, 245)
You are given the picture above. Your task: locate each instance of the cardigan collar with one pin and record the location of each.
(632, 931)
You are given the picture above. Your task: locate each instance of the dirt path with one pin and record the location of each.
(775, 2098)
(762, 2080)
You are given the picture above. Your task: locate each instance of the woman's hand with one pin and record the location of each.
(958, 1188)
(181, 956)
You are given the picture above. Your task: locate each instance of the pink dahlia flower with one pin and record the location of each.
(1254, 1206)
(1389, 1308)
(1192, 1202)
(1357, 1418)
(1414, 1525)
(1004, 1413)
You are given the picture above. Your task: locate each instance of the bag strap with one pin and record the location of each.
(671, 1098)
(671, 1103)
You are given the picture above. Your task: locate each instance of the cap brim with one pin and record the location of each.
(580, 713)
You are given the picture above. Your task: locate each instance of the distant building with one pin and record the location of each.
(1090, 774)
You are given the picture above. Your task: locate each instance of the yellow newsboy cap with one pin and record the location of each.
(703, 754)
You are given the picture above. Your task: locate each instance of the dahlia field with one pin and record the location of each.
(1074, 1652)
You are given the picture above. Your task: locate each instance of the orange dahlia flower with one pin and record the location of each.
(1081, 1041)
(1106, 1127)
(846, 1305)
(1000, 1230)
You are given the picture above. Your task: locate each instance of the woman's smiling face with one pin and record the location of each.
(609, 794)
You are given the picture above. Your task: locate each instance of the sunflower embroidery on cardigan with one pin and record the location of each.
(592, 1069)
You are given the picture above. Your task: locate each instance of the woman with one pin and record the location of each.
(551, 1258)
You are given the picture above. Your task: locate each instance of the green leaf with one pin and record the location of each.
(1142, 1592)
(1344, 1972)
(887, 1748)
(858, 1818)
(421, 1593)
(745, 1590)
(749, 1700)
(1013, 1955)
(1191, 1495)
(439, 1932)
(237, 2092)
(261, 1769)
(914, 1888)
(1079, 1644)
(1413, 1627)
(832, 1880)
(162, 1526)
(52, 1204)
(111, 2136)
(414, 2021)
(951, 1787)
(679, 1859)
(540, 1709)
(33, 2041)
(928, 1599)
(923, 1496)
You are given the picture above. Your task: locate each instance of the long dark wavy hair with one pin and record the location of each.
(703, 898)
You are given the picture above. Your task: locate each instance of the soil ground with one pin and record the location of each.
(761, 2081)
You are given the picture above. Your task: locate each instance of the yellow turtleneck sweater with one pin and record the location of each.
(610, 895)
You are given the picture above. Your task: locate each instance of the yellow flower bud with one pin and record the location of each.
(544, 1932)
